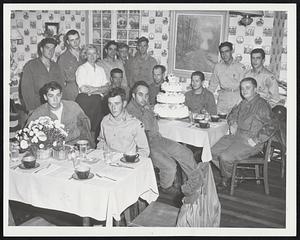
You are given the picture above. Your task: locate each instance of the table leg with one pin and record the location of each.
(86, 221)
(127, 215)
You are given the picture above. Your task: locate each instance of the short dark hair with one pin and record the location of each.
(117, 91)
(226, 44)
(137, 84)
(70, 32)
(123, 45)
(198, 73)
(162, 68)
(50, 86)
(112, 42)
(115, 70)
(142, 39)
(249, 79)
(43, 43)
(258, 50)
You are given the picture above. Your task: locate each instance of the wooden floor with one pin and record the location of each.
(248, 208)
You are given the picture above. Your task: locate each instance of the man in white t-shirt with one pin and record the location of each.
(69, 113)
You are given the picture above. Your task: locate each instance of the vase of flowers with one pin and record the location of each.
(41, 136)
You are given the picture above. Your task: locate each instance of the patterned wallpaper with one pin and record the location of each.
(268, 32)
(155, 26)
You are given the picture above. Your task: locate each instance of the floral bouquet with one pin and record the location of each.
(42, 133)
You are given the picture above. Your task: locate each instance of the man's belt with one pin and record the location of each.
(230, 89)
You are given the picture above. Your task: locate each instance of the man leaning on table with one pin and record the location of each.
(250, 124)
(69, 113)
(165, 153)
(120, 131)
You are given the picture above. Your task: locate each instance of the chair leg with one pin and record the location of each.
(283, 163)
(233, 178)
(257, 174)
(266, 181)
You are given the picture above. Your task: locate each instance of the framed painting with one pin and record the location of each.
(195, 37)
(51, 28)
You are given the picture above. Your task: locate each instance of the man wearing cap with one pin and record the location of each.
(69, 61)
(38, 72)
(267, 85)
(141, 65)
(227, 75)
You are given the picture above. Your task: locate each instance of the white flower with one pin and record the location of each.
(54, 144)
(35, 130)
(26, 130)
(25, 136)
(41, 146)
(24, 144)
(42, 136)
(40, 127)
(34, 139)
(31, 133)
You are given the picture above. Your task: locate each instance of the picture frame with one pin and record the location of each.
(191, 49)
(51, 27)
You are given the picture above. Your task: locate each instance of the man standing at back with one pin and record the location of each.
(37, 72)
(227, 74)
(267, 86)
(141, 65)
(69, 62)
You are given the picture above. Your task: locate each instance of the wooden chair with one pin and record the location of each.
(254, 163)
(157, 214)
(278, 145)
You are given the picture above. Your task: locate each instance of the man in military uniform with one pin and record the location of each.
(227, 75)
(250, 124)
(158, 77)
(165, 153)
(120, 131)
(141, 65)
(267, 86)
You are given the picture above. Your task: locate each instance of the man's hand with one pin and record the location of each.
(251, 142)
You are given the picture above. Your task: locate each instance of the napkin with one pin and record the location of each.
(113, 172)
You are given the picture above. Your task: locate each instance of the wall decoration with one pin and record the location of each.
(258, 41)
(239, 39)
(195, 37)
(145, 13)
(158, 28)
(259, 22)
(165, 21)
(249, 31)
(158, 13)
(232, 31)
(164, 37)
(51, 28)
(152, 20)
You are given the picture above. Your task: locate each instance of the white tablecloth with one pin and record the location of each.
(182, 131)
(99, 198)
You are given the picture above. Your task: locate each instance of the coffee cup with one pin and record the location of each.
(203, 124)
(130, 157)
(29, 161)
(82, 171)
(199, 117)
(214, 118)
(222, 115)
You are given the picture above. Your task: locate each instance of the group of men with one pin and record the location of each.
(131, 125)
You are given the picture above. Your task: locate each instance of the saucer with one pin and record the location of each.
(208, 126)
(23, 167)
(91, 175)
(124, 160)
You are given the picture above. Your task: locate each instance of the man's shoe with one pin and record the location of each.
(223, 185)
(171, 190)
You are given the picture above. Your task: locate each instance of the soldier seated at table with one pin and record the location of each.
(69, 113)
(158, 73)
(199, 99)
(250, 124)
(120, 131)
(164, 152)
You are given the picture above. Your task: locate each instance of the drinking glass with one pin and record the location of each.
(83, 147)
(14, 151)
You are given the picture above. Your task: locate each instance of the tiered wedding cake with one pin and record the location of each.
(171, 102)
